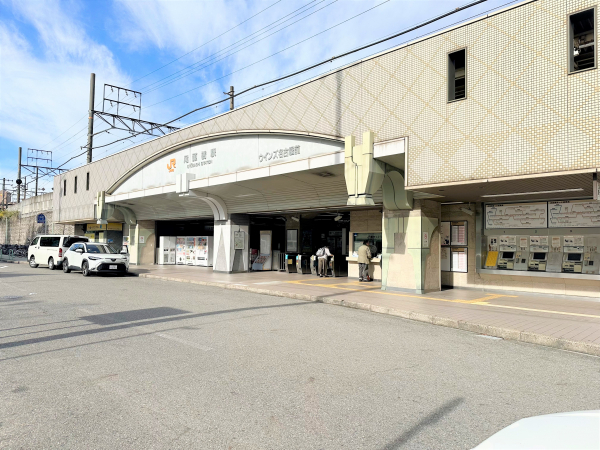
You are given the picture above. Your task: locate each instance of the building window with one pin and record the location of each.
(457, 75)
(87, 182)
(582, 40)
(64, 188)
(75, 186)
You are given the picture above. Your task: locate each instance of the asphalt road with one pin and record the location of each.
(134, 363)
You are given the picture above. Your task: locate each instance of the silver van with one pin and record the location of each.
(49, 249)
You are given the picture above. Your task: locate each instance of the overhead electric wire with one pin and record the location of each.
(274, 54)
(207, 42)
(165, 65)
(194, 67)
(422, 24)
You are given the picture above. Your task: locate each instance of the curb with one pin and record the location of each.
(488, 330)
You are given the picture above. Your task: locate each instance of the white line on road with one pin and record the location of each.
(183, 341)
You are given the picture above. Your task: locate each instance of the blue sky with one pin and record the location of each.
(49, 48)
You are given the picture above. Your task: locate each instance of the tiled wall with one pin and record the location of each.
(523, 113)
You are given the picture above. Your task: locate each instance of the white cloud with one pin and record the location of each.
(45, 76)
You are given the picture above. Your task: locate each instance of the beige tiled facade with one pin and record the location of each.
(524, 114)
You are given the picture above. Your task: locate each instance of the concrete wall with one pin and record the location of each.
(23, 227)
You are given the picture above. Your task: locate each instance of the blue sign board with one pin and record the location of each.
(41, 218)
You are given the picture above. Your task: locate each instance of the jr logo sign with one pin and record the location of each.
(171, 165)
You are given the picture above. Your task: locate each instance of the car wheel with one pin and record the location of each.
(66, 266)
(32, 262)
(51, 264)
(85, 269)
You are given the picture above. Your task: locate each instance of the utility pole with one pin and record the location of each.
(3, 192)
(230, 93)
(37, 175)
(19, 178)
(91, 118)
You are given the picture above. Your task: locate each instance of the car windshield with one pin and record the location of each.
(101, 248)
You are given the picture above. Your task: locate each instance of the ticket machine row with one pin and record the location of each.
(566, 258)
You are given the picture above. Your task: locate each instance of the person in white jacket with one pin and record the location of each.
(322, 255)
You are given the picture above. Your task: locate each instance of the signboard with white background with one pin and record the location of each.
(227, 155)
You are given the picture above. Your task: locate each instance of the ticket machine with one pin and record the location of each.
(572, 260)
(290, 262)
(537, 261)
(506, 261)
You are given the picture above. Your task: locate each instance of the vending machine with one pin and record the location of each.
(180, 250)
(167, 250)
(190, 250)
(203, 255)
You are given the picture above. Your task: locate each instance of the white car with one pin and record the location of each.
(92, 257)
(50, 249)
(578, 430)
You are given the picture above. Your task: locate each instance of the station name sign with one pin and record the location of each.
(280, 154)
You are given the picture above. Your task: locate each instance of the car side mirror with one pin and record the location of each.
(79, 250)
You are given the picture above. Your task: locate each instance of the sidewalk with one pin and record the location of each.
(555, 321)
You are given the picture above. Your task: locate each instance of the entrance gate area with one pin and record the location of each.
(281, 242)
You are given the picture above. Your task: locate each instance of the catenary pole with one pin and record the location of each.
(37, 174)
(19, 177)
(91, 118)
(3, 192)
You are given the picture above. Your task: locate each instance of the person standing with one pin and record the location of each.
(322, 255)
(364, 258)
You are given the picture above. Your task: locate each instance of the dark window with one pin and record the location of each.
(71, 240)
(457, 75)
(64, 188)
(87, 182)
(75, 186)
(35, 241)
(582, 41)
(50, 241)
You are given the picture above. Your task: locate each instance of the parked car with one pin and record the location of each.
(50, 249)
(578, 430)
(93, 257)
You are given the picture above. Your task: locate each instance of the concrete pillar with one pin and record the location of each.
(142, 245)
(411, 248)
(226, 257)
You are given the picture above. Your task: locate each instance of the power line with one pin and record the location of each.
(165, 65)
(276, 53)
(422, 24)
(195, 67)
(206, 43)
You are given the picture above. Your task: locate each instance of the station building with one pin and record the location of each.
(468, 157)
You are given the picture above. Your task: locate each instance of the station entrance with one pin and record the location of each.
(289, 241)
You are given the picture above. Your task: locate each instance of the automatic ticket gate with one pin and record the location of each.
(290, 263)
(303, 264)
(338, 264)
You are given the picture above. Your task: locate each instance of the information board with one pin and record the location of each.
(574, 214)
(516, 215)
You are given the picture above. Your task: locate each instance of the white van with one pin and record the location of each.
(50, 249)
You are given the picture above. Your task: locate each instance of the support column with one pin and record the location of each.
(411, 248)
(142, 245)
(226, 257)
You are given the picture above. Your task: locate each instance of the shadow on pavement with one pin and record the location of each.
(425, 422)
(139, 324)
(135, 314)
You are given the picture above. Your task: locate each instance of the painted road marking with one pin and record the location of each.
(482, 301)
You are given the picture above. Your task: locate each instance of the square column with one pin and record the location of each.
(227, 258)
(411, 248)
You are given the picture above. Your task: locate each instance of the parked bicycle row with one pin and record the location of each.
(77, 253)
(17, 250)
